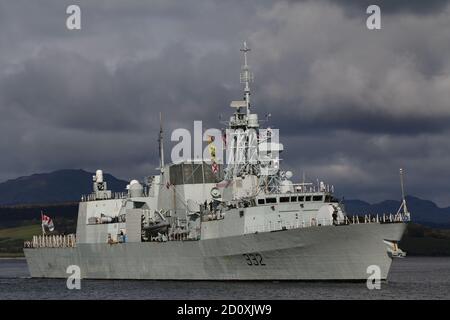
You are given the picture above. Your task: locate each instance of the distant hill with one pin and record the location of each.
(57, 186)
(422, 211)
(17, 215)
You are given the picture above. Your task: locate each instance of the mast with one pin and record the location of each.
(161, 145)
(239, 125)
(246, 77)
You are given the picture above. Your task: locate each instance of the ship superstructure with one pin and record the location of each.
(243, 219)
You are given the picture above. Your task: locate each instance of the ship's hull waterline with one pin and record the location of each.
(314, 253)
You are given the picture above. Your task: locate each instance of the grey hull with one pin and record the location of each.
(315, 253)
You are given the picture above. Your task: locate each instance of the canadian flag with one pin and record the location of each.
(215, 167)
(47, 222)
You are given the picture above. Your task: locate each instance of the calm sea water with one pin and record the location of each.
(410, 278)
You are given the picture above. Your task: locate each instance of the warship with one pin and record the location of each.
(204, 219)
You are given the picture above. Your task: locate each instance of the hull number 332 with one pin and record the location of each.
(253, 259)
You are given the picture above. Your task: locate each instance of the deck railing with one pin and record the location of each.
(114, 195)
(52, 241)
(366, 219)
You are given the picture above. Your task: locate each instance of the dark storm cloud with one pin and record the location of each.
(353, 105)
(399, 6)
(58, 88)
(364, 121)
(67, 90)
(419, 7)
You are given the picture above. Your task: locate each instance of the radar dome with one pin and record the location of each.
(136, 189)
(99, 176)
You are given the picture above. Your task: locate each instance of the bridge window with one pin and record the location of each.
(261, 201)
(284, 199)
(308, 198)
(317, 198)
(271, 200)
(301, 198)
(293, 199)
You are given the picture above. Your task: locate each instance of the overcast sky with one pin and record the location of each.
(353, 105)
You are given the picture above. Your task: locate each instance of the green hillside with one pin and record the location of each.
(23, 233)
(11, 239)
